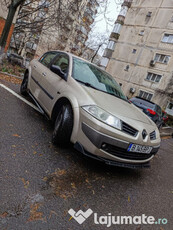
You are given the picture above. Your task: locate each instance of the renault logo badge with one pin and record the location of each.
(144, 134)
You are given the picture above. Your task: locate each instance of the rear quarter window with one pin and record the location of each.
(47, 58)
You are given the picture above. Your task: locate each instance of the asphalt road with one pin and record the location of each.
(39, 182)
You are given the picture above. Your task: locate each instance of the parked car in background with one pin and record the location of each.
(15, 59)
(88, 108)
(164, 116)
(151, 109)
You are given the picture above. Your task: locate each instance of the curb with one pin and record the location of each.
(11, 75)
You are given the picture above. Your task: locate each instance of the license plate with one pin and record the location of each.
(139, 148)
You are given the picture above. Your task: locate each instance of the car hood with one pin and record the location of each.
(116, 106)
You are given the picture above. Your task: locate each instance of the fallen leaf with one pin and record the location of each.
(87, 181)
(34, 214)
(128, 198)
(45, 178)
(3, 215)
(61, 172)
(26, 183)
(34, 152)
(73, 185)
(16, 135)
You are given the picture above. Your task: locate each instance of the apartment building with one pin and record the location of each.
(140, 51)
(67, 27)
(73, 34)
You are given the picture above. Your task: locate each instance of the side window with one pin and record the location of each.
(62, 62)
(47, 58)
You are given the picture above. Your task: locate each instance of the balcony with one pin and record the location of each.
(127, 3)
(108, 53)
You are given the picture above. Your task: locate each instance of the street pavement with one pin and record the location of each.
(40, 182)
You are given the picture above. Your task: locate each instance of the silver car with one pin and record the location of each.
(89, 109)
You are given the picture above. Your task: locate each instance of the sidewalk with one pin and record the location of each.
(166, 132)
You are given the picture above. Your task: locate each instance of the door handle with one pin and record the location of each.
(44, 74)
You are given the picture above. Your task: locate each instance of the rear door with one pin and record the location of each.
(40, 69)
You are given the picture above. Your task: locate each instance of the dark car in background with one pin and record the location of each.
(15, 59)
(164, 116)
(151, 109)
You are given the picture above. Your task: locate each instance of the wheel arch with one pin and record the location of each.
(75, 110)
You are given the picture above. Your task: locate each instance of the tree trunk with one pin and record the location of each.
(6, 30)
(92, 59)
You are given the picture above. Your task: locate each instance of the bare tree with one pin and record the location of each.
(96, 42)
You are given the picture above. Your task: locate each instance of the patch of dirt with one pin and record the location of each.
(13, 80)
(12, 68)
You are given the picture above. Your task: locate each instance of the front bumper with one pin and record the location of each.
(111, 150)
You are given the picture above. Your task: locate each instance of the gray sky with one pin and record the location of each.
(104, 22)
(111, 14)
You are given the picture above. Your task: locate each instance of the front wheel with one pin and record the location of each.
(63, 126)
(24, 85)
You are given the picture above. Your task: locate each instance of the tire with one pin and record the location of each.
(63, 126)
(24, 85)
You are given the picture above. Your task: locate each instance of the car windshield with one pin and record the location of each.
(96, 78)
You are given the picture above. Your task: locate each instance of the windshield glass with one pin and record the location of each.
(92, 76)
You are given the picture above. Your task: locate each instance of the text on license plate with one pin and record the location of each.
(139, 148)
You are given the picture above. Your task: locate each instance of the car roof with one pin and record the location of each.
(140, 98)
(73, 55)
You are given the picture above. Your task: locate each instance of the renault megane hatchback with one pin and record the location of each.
(89, 109)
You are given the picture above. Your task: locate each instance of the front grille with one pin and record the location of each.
(128, 129)
(123, 153)
(153, 135)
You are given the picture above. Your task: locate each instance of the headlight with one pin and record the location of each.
(103, 116)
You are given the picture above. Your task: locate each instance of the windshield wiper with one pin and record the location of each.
(88, 84)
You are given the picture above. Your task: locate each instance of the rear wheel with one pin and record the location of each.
(24, 85)
(63, 126)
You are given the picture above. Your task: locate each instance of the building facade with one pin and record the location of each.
(140, 51)
(73, 34)
(66, 28)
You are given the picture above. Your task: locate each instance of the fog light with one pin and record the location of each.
(104, 146)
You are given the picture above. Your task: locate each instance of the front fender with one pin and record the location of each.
(76, 113)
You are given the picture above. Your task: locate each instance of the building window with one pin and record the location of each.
(153, 77)
(167, 38)
(111, 45)
(141, 33)
(117, 28)
(134, 51)
(145, 95)
(162, 58)
(170, 106)
(149, 14)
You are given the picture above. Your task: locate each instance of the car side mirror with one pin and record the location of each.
(57, 70)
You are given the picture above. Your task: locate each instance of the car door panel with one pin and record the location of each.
(53, 83)
(40, 69)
